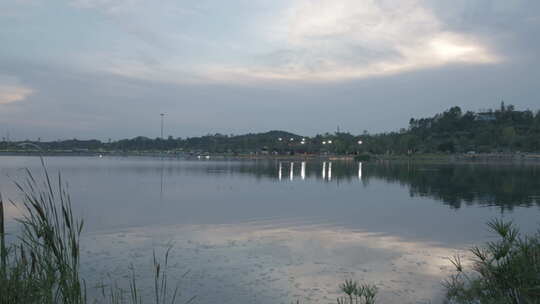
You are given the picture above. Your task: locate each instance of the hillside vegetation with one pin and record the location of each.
(453, 131)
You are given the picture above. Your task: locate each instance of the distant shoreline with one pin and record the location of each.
(444, 158)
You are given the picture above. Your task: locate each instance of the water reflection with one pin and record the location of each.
(326, 173)
(505, 186)
(459, 185)
(249, 226)
(258, 263)
(330, 171)
(455, 185)
(161, 179)
(292, 171)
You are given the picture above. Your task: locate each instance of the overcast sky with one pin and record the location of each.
(107, 68)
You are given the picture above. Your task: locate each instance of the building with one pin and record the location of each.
(485, 116)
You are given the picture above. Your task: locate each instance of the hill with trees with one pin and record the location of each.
(501, 130)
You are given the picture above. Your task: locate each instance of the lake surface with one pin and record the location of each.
(275, 232)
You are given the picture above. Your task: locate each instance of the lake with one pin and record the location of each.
(275, 232)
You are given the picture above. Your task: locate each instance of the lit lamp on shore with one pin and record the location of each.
(360, 143)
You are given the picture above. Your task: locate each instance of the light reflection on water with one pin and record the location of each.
(326, 173)
(246, 263)
(274, 231)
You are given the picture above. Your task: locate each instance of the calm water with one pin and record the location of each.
(271, 232)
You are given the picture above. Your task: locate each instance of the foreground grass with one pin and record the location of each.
(505, 271)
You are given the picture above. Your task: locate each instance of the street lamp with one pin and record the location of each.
(359, 144)
(162, 115)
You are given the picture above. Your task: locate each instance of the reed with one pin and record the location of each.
(3, 250)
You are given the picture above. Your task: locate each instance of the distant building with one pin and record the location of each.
(485, 116)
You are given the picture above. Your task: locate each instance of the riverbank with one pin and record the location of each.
(465, 158)
(435, 158)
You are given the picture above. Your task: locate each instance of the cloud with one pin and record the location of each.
(336, 40)
(233, 66)
(108, 6)
(11, 91)
(299, 40)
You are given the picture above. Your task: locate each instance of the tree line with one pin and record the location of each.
(496, 130)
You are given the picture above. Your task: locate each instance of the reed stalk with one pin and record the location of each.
(3, 250)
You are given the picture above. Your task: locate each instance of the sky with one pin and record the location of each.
(107, 68)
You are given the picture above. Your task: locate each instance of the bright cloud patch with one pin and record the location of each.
(333, 40)
(305, 40)
(11, 92)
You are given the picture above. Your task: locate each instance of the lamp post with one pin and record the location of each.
(162, 115)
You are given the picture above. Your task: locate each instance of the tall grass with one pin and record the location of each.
(44, 265)
(504, 271)
(3, 250)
